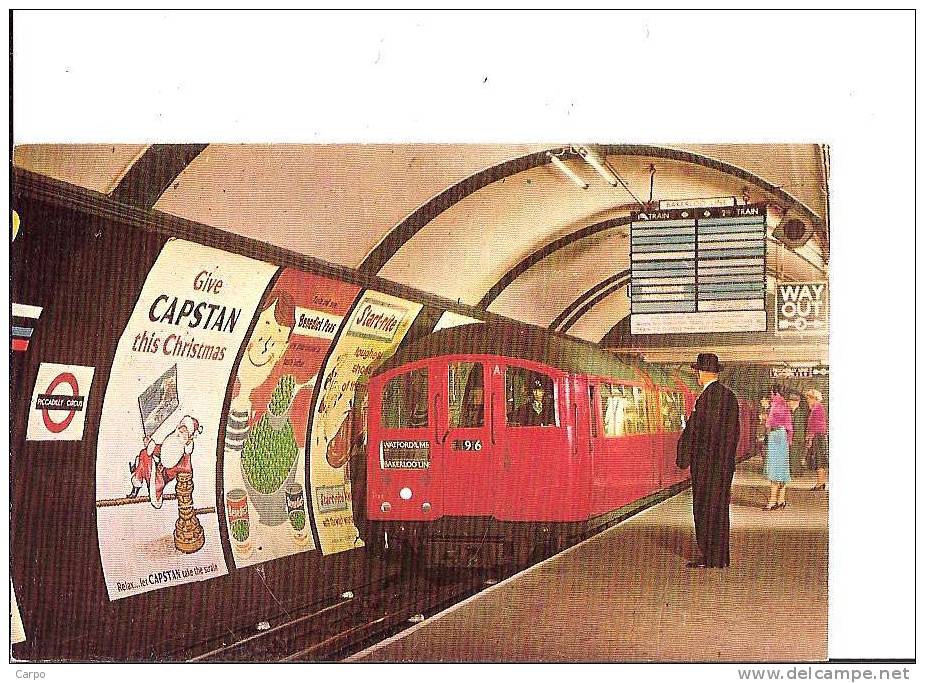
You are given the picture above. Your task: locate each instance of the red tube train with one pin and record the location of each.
(492, 444)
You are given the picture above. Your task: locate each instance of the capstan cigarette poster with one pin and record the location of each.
(155, 465)
(375, 328)
(264, 442)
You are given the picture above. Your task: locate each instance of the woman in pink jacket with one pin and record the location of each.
(817, 443)
(777, 460)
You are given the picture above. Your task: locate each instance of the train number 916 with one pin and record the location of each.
(467, 444)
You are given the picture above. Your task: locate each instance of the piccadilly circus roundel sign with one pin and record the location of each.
(59, 399)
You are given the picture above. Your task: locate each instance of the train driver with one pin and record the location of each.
(538, 410)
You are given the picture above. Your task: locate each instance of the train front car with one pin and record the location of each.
(493, 444)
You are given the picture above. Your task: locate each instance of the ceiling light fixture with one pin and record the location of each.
(558, 163)
(598, 164)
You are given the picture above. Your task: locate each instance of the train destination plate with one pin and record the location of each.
(405, 455)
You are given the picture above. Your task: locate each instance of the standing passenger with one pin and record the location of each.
(712, 435)
(777, 460)
(817, 443)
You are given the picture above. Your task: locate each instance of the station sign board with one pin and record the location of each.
(698, 270)
(804, 372)
(802, 308)
(702, 203)
(59, 399)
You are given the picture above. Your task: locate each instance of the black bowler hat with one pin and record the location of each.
(708, 362)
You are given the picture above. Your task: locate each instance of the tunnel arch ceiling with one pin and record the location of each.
(473, 223)
(515, 221)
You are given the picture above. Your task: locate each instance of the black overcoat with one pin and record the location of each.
(713, 434)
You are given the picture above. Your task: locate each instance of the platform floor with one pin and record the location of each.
(626, 595)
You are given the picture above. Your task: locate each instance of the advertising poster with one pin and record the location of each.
(373, 332)
(159, 430)
(264, 441)
(25, 319)
(17, 630)
(59, 399)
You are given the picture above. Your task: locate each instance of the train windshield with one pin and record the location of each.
(530, 398)
(466, 395)
(404, 400)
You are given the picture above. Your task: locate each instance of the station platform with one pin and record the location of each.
(626, 594)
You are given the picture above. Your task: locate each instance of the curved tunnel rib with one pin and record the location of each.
(152, 174)
(602, 294)
(545, 251)
(409, 227)
(576, 304)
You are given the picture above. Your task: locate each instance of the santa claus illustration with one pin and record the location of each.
(157, 464)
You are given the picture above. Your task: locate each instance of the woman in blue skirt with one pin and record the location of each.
(777, 461)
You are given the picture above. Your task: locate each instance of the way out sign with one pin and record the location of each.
(802, 308)
(59, 403)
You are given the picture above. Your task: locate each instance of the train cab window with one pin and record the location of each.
(530, 398)
(466, 395)
(672, 405)
(404, 400)
(624, 410)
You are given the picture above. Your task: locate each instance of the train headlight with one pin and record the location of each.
(385, 507)
(405, 493)
(425, 507)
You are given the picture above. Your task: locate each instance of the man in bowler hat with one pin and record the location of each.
(710, 440)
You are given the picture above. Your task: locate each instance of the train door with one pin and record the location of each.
(537, 445)
(672, 408)
(598, 464)
(657, 438)
(468, 462)
(403, 447)
(625, 450)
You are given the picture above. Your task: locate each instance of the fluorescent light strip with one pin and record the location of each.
(599, 165)
(574, 177)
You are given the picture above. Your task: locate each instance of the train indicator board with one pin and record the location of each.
(800, 372)
(697, 270)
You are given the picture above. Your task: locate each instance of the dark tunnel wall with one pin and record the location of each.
(86, 272)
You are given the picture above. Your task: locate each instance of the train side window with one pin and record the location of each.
(404, 400)
(672, 405)
(624, 410)
(530, 398)
(592, 399)
(466, 395)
